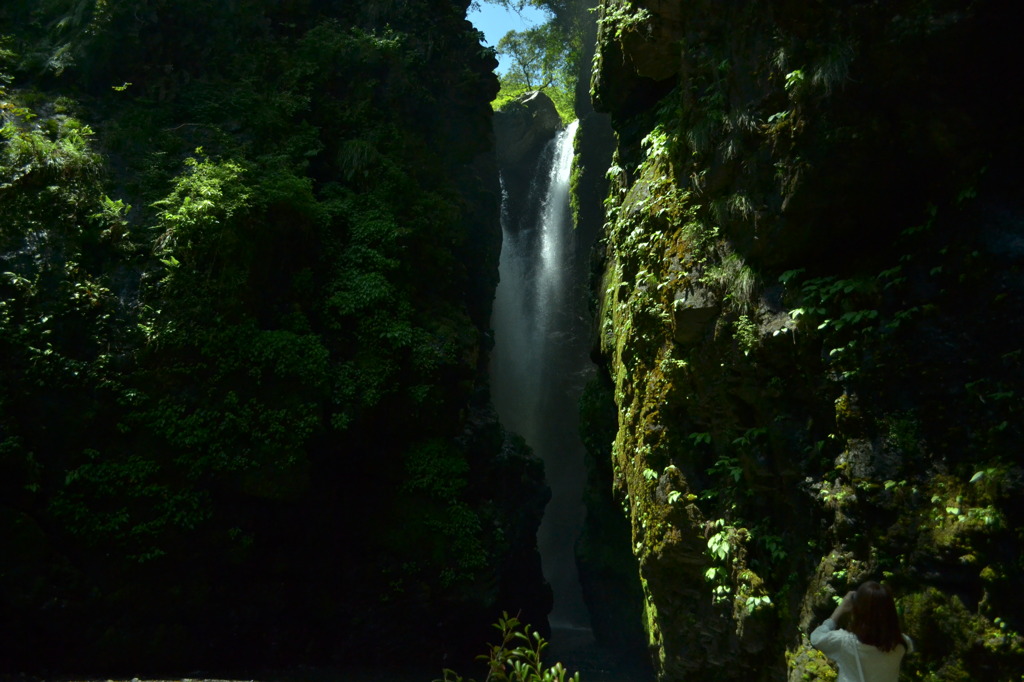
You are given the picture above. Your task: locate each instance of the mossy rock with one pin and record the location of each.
(953, 643)
(807, 664)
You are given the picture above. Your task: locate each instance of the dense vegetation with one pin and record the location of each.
(246, 256)
(247, 253)
(546, 57)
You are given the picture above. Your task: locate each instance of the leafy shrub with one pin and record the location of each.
(517, 658)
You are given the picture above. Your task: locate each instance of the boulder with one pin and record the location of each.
(522, 130)
(523, 126)
(693, 312)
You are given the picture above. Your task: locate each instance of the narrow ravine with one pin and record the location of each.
(539, 363)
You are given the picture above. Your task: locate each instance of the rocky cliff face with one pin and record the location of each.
(811, 316)
(522, 131)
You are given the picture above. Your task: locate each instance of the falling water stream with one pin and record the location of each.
(539, 364)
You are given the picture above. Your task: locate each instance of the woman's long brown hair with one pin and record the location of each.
(874, 617)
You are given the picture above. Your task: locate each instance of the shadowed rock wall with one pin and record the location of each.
(810, 314)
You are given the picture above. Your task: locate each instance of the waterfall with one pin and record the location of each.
(539, 363)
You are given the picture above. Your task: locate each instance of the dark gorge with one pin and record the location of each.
(315, 362)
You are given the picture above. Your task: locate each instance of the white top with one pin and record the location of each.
(845, 649)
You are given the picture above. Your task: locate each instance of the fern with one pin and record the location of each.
(834, 68)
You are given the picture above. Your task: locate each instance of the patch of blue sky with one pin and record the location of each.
(496, 21)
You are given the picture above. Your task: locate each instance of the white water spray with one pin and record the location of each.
(539, 364)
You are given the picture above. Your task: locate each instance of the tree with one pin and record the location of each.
(540, 58)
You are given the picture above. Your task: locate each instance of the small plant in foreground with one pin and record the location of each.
(517, 658)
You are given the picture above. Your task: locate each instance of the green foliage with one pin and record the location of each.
(730, 579)
(544, 58)
(127, 505)
(835, 305)
(7, 59)
(538, 55)
(206, 195)
(726, 467)
(621, 18)
(449, 530)
(195, 227)
(834, 66)
(58, 33)
(519, 5)
(794, 79)
(735, 281)
(811, 665)
(746, 334)
(947, 636)
(613, 22)
(517, 658)
(877, 320)
(561, 97)
(234, 283)
(48, 172)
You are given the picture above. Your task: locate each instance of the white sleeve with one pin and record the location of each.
(825, 638)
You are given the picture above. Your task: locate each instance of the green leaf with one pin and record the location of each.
(790, 274)
(794, 79)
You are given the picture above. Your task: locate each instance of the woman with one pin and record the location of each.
(871, 649)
